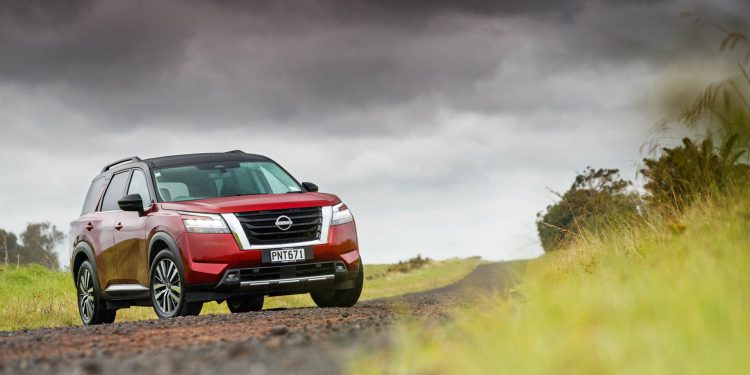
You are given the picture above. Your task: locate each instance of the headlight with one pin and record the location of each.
(204, 223)
(341, 215)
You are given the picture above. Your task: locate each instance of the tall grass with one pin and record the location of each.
(656, 296)
(723, 108)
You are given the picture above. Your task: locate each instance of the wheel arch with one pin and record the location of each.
(163, 241)
(83, 252)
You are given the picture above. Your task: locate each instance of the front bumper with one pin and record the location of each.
(275, 280)
(208, 258)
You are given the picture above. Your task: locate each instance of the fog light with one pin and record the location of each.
(232, 276)
(340, 268)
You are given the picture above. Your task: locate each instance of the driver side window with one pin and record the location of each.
(138, 185)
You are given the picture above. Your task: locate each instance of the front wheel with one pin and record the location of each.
(91, 307)
(167, 295)
(340, 297)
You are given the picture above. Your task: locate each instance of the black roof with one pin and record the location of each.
(174, 160)
(168, 161)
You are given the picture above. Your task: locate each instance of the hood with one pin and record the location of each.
(247, 203)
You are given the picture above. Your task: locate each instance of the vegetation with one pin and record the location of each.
(685, 173)
(34, 296)
(596, 198)
(723, 107)
(38, 245)
(407, 265)
(636, 299)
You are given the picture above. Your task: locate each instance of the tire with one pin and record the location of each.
(243, 304)
(167, 283)
(91, 306)
(340, 297)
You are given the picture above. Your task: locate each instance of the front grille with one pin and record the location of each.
(287, 272)
(260, 226)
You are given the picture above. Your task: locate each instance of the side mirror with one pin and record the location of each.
(310, 187)
(132, 202)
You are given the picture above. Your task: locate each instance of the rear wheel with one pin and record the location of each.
(167, 295)
(243, 304)
(340, 297)
(91, 307)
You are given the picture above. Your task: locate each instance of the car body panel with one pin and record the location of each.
(103, 241)
(131, 248)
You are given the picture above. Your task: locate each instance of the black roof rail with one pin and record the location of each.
(235, 152)
(130, 159)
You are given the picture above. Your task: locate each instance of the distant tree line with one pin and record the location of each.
(36, 244)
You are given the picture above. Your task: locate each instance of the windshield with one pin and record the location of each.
(223, 179)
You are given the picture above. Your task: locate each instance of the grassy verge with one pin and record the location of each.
(33, 296)
(662, 297)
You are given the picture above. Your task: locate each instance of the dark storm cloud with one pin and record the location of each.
(95, 46)
(42, 13)
(315, 64)
(410, 12)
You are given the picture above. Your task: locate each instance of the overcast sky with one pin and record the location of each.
(442, 124)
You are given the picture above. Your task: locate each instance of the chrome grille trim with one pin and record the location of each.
(239, 233)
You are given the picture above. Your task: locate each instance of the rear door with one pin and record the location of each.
(103, 231)
(83, 228)
(131, 236)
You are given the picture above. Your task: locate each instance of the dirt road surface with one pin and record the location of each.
(299, 340)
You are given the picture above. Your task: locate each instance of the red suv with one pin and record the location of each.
(177, 231)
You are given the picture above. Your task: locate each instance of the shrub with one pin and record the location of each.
(409, 265)
(683, 174)
(596, 198)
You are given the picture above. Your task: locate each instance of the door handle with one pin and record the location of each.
(89, 227)
(118, 226)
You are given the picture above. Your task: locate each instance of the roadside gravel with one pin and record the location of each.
(307, 340)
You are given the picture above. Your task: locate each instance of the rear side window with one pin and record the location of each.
(115, 192)
(92, 197)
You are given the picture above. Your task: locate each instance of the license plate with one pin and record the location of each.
(287, 255)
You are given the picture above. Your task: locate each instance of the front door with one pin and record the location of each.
(102, 233)
(131, 236)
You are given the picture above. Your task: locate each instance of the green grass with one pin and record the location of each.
(655, 297)
(34, 297)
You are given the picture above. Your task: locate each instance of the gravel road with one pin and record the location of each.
(306, 340)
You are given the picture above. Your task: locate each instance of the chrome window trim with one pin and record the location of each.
(239, 233)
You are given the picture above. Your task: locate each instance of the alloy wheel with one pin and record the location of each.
(86, 296)
(167, 287)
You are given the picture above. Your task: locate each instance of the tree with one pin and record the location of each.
(39, 242)
(9, 241)
(596, 198)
